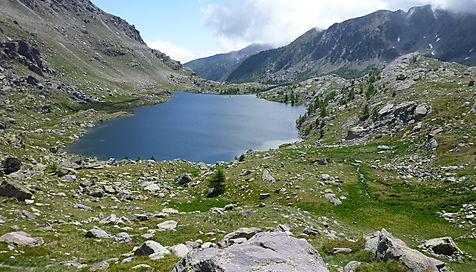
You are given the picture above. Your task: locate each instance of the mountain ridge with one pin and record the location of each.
(373, 39)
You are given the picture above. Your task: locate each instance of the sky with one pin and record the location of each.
(190, 29)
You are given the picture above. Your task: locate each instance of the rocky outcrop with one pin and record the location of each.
(267, 176)
(25, 52)
(356, 132)
(184, 179)
(14, 189)
(11, 165)
(266, 251)
(389, 247)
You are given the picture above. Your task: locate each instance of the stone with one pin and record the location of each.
(384, 147)
(97, 232)
(169, 211)
(246, 233)
(332, 198)
(325, 176)
(245, 212)
(103, 265)
(167, 225)
(179, 250)
(311, 232)
(26, 214)
(122, 237)
(266, 251)
(471, 83)
(421, 111)
(264, 196)
(184, 179)
(142, 267)
(352, 266)
(389, 247)
(149, 248)
(229, 207)
(356, 132)
(387, 109)
(82, 207)
(21, 238)
(152, 188)
(11, 165)
(245, 173)
(111, 219)
(13, 189)
(430, 144)
(267, 176)
(442, 246)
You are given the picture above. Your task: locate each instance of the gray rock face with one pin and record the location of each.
(179, 250)
(13, 189)
(390, 247)
(351, 266)
(267, 176)
(22, 239)
(266, 251)
(11, 165)
(122, 237)
(184, 179)
(167, 225)
(240, 233)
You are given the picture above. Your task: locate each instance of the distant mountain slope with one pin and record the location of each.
(219, 67)
(377, 38)
(79, 39)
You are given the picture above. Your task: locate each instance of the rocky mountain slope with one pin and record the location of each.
(360, 43)
(219, 67)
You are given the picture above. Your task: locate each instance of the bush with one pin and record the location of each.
(241, 158)
(355, 246)
(217, 184)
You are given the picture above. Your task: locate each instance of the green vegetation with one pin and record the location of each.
(217, 183)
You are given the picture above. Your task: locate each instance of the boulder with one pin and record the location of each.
(13, 189)
(21, 238)
(152, 248)
(264, 196)
(266, 251)
(421, 111)
(97, 232)
(356, 132)
(442, 247)
(179, 250)
(184, 179)
(11, 165)
(371, 241)
(267, 176)
(387, 109)
(430, 144)
(405, 110)
(341, 250)
(229, 207)
(389, 247)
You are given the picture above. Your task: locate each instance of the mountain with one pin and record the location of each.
(375, 39)
(219, 67)
(80, 44)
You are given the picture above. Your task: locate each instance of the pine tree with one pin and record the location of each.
(217, 184)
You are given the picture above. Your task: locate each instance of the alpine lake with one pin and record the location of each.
(194, 127)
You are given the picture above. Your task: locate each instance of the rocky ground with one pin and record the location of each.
(373, 193)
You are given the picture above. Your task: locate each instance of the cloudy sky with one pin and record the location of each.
(189, 29)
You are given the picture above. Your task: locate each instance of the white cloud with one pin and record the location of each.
(174, 51)
(239, 22)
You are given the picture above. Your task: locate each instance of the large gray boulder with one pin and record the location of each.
(390, 247)
(267, 177)
(266, 251)
(241, 234)
(152, 249)
(21, 238)
(356, 132)
(14, 189)
(97, 232)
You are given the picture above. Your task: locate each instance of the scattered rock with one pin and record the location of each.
(21, 238)
(267, 176)
(184, 179)
(266, 251)
(341, 250)
(229, 207)
(152, 249)
(167, 225)
(97, 232)
(356, 132)
(264, 196)
(11, 165)
(13, 189)
(390, 247)
(122, 237)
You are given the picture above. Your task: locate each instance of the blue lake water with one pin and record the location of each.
(194, 127)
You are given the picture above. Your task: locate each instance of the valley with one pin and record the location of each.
(387, 162)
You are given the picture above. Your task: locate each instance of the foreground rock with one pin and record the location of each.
(13, 189)
(183, 179)
(266, 251)
(389, 247)
(11, 165)
(21, 238)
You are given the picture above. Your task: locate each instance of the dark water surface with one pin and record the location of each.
(194, 127)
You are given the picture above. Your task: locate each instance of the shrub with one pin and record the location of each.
(241, 158)
(217, 183)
